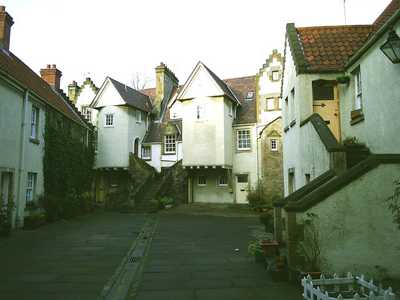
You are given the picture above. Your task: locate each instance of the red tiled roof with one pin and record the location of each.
(389, 11)
(151, 92)
(16, 69)
(327, 48)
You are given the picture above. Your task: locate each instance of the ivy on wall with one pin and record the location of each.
(68, 169)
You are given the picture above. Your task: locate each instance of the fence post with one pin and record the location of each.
(371, 295)
(356, 296)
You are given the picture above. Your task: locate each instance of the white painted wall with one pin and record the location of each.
(356, 226)
(245, 162)
(11, 150)
(211, 192)
(205, 141)
(159, 160)
(381, 94)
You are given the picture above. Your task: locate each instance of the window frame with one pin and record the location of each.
(249, 96)
(239, 138)
(272, 75)
(168, 143)
(31, 180)
(205, 180)
(273, 148)
(35, 118)
(219, 181)
(105, 120)
(358, 101)
(268, 100)
(87, 112)
(143, 152)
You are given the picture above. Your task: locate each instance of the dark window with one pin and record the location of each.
(323, 90)
(243, 178)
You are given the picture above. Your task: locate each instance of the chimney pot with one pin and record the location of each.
(48, 66)
(53, 66)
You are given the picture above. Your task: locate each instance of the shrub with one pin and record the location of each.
(34, 221)
(164, 201)
(5, 216)
(266, 218)
(257, 197)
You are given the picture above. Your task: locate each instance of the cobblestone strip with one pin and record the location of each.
(118, 286)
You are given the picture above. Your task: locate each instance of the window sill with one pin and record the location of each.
(292, 123)
(357, 116)
(34, 141)
(146, 158)
(222, 185)
(169, 153)
(108, 126)
(243, 150)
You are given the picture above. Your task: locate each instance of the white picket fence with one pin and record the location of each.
(317, 289)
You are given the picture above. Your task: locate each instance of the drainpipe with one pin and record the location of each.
(21, 154)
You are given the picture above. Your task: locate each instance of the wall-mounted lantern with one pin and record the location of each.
(391, 48)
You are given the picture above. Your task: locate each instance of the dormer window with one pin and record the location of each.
(87, 113)
(249, 96)
(169, 144)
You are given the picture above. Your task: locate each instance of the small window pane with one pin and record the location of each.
(169, 144)
(243, 178)
(243, 139)
(202, 180)
(109, 120)
(249, 95)
(270, 103)
(274, 145)
(275, 75)
(146, 151)
(30, 187)
(222, 180)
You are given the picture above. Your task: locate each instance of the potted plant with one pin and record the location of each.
(257, 251)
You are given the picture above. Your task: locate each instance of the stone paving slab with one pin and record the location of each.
(68, 259)
(194, 257)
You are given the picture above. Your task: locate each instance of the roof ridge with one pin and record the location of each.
(334, 26)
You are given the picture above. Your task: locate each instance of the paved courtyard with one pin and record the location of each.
(194, 257)
(68, 259)
(188, 256)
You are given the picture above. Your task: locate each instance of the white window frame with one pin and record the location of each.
(87, 112)
(200, 183)
(274, 145)
(222, 182)
(30, 187)
(35, 114)
(170, 144)
(144, 156)
(277, 77)
(271, 100)
(357, 89)
(243, 138)
(292, 108)
(249, 95)
(106, 121)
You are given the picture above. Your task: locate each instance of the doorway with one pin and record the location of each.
(326, 104)
(6, 187)
(242, 188)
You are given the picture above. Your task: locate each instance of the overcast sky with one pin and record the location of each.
(119, 38)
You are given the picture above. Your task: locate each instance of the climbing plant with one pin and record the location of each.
(394, 203)
(68, 169)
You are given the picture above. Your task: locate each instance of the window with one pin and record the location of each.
(146, 152)
(358, 90)
(249, 95)
(291, 181)
(87, 113)
(230, 108)
(222, 180)
(243, 178)
(275, 75)
(138, 116)
(109, 120)
(169, 144)
(202, 181)
(274, 145)
(35, 122)
(30, 187)
(243, 139)
(323, 90)
(270, 103)
(292, 105)
(199, 111)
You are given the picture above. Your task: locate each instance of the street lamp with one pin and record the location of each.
(391, 48)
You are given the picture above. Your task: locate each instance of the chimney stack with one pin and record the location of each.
(165, 82)
(73, 90)
(52, 76)
(6, 22)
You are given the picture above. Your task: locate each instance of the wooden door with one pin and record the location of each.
(326, 104)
